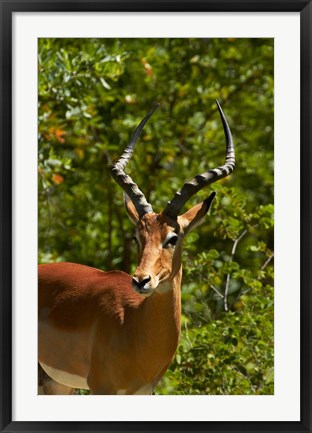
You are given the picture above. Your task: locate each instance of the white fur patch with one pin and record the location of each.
(71, 380)
(145, 390)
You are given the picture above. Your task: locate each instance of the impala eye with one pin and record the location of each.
(171, 242)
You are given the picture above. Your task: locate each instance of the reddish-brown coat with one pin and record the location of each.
(125, 340)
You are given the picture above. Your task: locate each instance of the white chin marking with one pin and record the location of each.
(146, 295)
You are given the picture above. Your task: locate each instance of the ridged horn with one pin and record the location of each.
(190, 188)
(123, 179)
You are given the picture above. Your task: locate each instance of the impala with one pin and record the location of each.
(110, 332)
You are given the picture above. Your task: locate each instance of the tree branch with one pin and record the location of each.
(228, 277)
(267, 262)
(217, 291)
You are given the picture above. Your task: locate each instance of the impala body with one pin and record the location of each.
(111, 332)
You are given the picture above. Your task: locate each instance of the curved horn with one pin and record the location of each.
(190, 188)
(124, 180)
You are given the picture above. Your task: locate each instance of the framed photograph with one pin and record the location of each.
(137, 139)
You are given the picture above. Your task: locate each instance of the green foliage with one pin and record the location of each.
(231, 355)
(92, 95)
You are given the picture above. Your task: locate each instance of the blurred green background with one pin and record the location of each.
(92, 95)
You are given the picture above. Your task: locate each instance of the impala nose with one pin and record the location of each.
(140, 283)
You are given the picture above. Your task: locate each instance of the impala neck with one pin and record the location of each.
(163, 308)
(170, 288)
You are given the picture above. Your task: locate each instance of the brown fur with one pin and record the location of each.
(93, 325)
(126, 335)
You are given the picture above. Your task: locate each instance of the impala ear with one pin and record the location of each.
(196, 215)
(131, 210)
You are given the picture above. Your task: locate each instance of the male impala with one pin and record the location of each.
(107, 331)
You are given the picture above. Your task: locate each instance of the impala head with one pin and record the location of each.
(159, 236)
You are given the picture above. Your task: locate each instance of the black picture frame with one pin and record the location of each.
(8, 7)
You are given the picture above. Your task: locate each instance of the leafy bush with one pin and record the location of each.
(92, 95)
